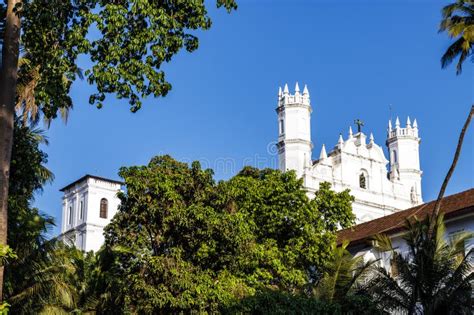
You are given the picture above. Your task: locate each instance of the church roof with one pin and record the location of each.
(87, 176)
(453, 206)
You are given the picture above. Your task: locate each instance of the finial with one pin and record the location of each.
(408, 122)
(371, 138)
(286, 90)
(390, 125)
(305, 90)
(340, 141)
(350, 132)
(397, 123)
(323, 154)
(279, 91)
(297, 88)
(415, 124)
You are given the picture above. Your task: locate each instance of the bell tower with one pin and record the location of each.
(294, 130)
(403, 147)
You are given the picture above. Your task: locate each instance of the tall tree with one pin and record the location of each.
(134, 39)
(458, 23)
(181, 242)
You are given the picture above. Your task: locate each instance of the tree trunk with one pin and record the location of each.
(8, 80)
(451, 170)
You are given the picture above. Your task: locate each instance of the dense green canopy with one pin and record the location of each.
(181, 241)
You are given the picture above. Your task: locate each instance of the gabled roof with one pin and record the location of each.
(87, 176)
(453, 205)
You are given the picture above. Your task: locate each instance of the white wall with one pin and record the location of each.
(86, 233)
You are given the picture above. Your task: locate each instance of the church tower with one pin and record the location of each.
(403, 147)
(294, 130)
(89, 204)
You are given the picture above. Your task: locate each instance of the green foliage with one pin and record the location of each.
(434, 277)
(182, 242)
(38, 279)
(127, 42)
(342, 279)
(458, 23)
(6, 254)
(4, 308)
(278, 302)
(26, 226)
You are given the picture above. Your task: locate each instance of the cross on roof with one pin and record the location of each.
(359, 124)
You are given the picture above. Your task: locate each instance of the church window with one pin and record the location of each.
(70, 214)
(104, 205)
(282, 127)
(81, 210)
(362, 181)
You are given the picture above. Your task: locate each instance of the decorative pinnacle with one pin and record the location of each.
(390, 125)
(323, 154)
(415, 124)
(350, 132)
(305, 90)
(408, 122)
(297, 88)
(286, 90)
(340, 141)
(397, 123)
(371, 138)
(279, 91)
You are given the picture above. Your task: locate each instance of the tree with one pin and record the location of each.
(181, 242)
(458, 23)
(433, 277)
(343, 279)
(134, 39)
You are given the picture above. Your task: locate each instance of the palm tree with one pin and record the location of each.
(458, 22)
(43, 283)
(433, 278)
(343, 282)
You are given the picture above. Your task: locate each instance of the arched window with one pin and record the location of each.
(362, 181)
(104, 207)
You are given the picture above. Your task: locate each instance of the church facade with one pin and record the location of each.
(380, 186)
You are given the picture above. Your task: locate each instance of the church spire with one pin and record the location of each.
(371, 138)
(297, 88)
(323, 153)
(340, 141)
(280, 93)
(389, 125)
(408, 122)
(397, 123)
(305, 90)
(286, 90)
(415, 124)
(350, 132)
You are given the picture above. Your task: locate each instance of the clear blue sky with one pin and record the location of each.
(357, 57)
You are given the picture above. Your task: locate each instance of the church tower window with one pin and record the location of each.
(104, 205)
(71, 214)
(81, 210)
(282, 127)
(362, 181)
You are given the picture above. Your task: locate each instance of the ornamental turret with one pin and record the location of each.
(294, 130)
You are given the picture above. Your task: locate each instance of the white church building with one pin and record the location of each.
(380, 187)
(354, 163)
(89, 204)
